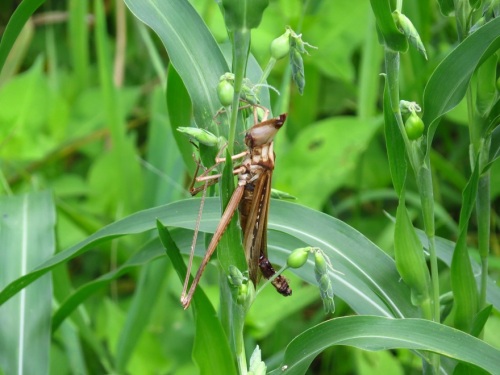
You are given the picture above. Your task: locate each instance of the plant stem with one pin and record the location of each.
(267, 70)
(424, 182)
(240, 354)
(483, 213)
(423, 176)
(241, 47)
(270, 280)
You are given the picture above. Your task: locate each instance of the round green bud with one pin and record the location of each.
(298, 257)
(414, 127)
(225, 92)
(280, 47)
(242, 293)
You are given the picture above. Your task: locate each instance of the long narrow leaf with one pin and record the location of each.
(377, 333)
(211, 348)
(15, 25)
(366, 279)
(191, 48)
(28, 239)
(450, 81)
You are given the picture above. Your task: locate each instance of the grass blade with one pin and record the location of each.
(27, 237)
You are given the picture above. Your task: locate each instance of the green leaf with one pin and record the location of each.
(445, 251)
(495, 145)
(211, 350)
(163, 155)
(191, 48)
(462, 277)
(480, 320)
(179, 113)
(486, 94)
(243, 14)
(377, 333)
(396, 150)
(230, 249)
(367, 279)
(369, 282)
(139, 312)
(450, 80)
(27, 236)
(393, 39)
(409, 254)
(447, 7)
(16, 22)
(152, 250)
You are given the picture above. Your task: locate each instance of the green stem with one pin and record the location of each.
(271, 279)
(267, 71)
(241, 47)
(483, 213)
(424, 181)
(423, 176)
(399, 6)
(240, 355)
(368, 75)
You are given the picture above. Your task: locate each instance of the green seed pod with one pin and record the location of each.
(298, 257)
(320, 263)
(242, 294)
(414, 127)
(297, 64)
(326, 292)
(200, 135)
(280, 47)
(225, 92)
(406, 27)
(410, 258)
(235, 276)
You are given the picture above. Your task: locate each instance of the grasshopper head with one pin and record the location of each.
(264, 132)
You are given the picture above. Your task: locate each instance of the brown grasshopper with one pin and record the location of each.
(251, 197)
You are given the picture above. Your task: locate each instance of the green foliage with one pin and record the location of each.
(92, 155)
